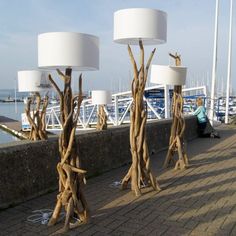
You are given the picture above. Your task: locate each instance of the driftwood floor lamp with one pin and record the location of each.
(174, 75)
(65, 50)
(34, 81)
(139, 26)
(101, 98)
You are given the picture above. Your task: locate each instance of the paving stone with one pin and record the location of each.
(106, 222)
(130, 227)
(152, 216)
(115, 224)
(217, 222)
(233, 231)
(188, 214)
(191, 224)
(90, 231)
(120, 233)
(145, 231)
(99, 234)
(157, 222)
(177, 232)
(160, 230)
(228, 224)
(211, 215)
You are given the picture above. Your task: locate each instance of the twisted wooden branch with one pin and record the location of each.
(177, 58)
(79, 101)
(61, 97)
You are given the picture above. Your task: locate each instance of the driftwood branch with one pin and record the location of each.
(102, 118)
(177, 58)
(149, 62)
(79, 99)
(54, 84)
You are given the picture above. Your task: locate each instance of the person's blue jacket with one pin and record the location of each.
(201, 114)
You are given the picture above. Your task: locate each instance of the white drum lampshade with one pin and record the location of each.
(101, 97)
(133, 24)
(168, 75)
(60, 50)
(32, 81)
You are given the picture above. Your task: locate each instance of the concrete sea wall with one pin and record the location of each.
(28, 169)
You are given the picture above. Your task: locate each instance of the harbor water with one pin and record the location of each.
(7, 138)
(11, 110)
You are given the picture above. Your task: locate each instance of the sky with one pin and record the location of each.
(190, 32)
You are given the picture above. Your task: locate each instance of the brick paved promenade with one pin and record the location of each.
(198, 201)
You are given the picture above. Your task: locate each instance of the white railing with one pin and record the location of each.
(117, 112)
(198, 90)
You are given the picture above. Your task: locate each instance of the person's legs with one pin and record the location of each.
(201, 129)
(210, 129)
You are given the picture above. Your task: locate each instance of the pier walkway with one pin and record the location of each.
(198, 201)
(12, 126)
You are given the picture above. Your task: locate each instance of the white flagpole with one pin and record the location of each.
(213, 78)
(229, 64)
(15, 96)
(166, 96)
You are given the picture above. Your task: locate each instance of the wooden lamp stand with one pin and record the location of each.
(35, 81)
(71, 176)
(100, 98)
(140, 170)
(176, 143)
(36, 117)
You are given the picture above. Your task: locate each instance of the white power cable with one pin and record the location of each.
(42, 216)
(117, 184)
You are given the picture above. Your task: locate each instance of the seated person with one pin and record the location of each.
(204, 127)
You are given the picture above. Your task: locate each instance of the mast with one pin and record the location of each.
(213, 79)
(15, 96)
(229, 64)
